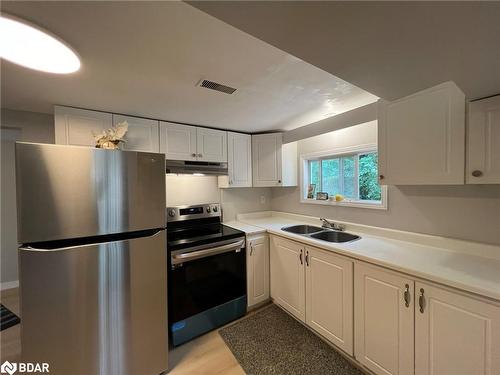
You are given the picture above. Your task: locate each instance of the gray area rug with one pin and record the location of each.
(272, 342)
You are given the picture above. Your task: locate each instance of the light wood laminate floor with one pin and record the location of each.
(206, 355)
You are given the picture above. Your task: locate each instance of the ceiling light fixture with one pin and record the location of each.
(34, 48)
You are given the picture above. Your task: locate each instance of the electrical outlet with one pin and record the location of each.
(262, 199)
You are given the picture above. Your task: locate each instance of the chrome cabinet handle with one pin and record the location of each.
(307, 258)
(300, 257)
(200, 155)
(421, 300)
(251, 249)
(407, 295)
(193, 155)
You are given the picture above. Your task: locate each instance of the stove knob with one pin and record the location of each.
(208, 209)
(171, 213)
(215, 209)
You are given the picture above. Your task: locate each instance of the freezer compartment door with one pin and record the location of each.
(69, 192)
(96, 309)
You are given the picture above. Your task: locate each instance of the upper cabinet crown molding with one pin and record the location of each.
(239, 161)
(483, 142)
(274, 163)
(185, 142)
(422, 138)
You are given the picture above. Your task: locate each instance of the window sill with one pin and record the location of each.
(347, 203)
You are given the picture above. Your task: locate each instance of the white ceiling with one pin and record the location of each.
(390, 48)
(145, 59)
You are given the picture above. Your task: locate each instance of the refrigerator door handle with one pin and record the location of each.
(63, 245)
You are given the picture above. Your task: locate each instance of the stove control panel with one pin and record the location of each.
(179, 213)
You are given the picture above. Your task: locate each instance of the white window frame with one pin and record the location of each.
(337, 153)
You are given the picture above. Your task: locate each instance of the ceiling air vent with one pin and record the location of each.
(216, 86)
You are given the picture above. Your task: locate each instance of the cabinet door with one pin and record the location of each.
(266, 156)
(421, 138)
(455, 334)
(287, 275)
(258, 270)
(77, 127)
(142, 134)
(177, 142)
(483, 142)
(329, 297)
(211, 145)
(239, 160)
(383, 321)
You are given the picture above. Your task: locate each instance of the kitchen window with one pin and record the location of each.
(351, 173)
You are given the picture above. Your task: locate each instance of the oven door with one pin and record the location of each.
(204, 279)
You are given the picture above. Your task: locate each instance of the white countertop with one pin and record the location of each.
(247, 228)
(469, 266)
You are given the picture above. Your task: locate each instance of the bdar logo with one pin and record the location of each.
(8, 368)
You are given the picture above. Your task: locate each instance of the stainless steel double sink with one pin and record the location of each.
(320, 233)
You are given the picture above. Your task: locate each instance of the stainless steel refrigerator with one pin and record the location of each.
(93, 260)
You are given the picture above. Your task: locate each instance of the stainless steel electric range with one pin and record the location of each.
(207, 271)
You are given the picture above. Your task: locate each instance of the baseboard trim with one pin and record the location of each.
(9, 285)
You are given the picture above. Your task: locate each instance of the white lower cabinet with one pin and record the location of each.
(257, 269)
(287, 275)
(315, 286)
(402, 326)
(329, 296)
(383, 320)
(455, 334)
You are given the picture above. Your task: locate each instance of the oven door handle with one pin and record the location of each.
(187, 257)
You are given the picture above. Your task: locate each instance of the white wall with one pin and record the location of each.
(204, 189)
(191, 190)
(466, 212)
(242, 200)
(24, 126)
(357, 135)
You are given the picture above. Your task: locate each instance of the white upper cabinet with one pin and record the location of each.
(142, 134)
(239, 161)
(483, 142)
(329, 296)
(211, 145)
(421, 138)
(455, 333)
(184, 142)
(74, 126)
(274, 164)
(287, 276)
(178, 142)
(266, 154)
(383, 320)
